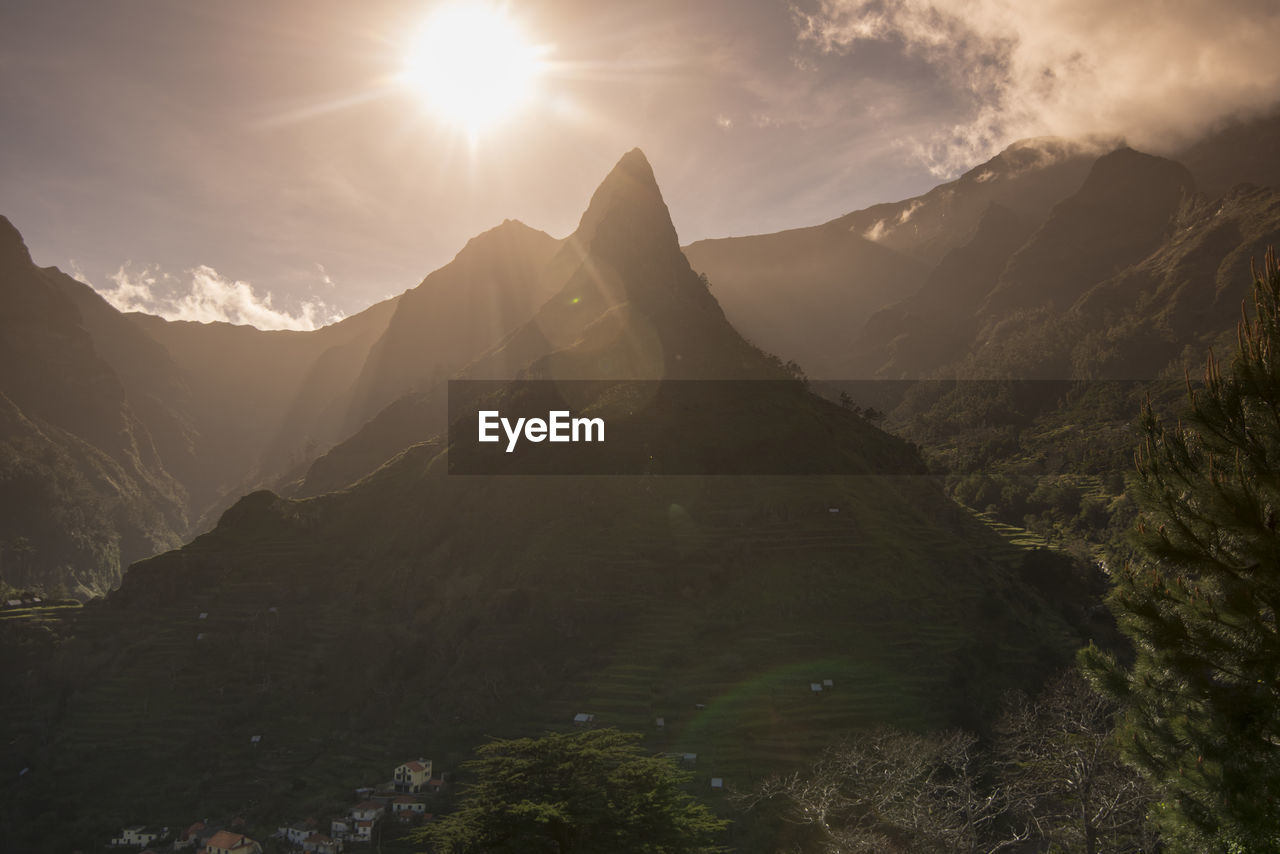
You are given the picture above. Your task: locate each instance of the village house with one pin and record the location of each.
(407, 809)
(230, 842)
(342, 828)
(189, 837)
(138, 836)
(297, 832)
(321, 844)
(363, 817)
(413, 776)
(207, 831)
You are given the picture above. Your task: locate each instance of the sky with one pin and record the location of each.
(267, 163)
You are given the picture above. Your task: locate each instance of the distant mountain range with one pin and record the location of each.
(302, 643)
(125, 434)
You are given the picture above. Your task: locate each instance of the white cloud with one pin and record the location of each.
(909, 210)
(1154, 72)
(208, 297)
(324, 275)
(77, 273)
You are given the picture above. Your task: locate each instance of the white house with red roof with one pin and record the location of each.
(364, 830)
(412, 776)
(363, 817)
(407, 808)
(231, 842)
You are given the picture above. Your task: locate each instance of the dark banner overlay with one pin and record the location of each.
(722, 427)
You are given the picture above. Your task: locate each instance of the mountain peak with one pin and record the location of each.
(1125, 170)
(634, 163)
(12, 246)
(511, 230)
(629, 186)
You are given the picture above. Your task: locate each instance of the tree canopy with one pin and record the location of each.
(1202, 694)
(584, 792)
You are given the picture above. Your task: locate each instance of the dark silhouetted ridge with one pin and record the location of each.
(1124, 210)
(12, 247)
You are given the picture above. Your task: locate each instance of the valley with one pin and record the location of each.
(266, 586)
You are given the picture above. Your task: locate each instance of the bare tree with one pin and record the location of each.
(1052, 781)
(1062, 767)
(891, 791)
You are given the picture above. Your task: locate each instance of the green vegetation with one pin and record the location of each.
(1200, 606)
(404, 627)
(594, 792)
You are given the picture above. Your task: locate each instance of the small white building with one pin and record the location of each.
(297, 832)
(320, 844)
(138, 836)
(368, 810)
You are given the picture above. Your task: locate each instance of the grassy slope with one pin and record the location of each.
(627, 598)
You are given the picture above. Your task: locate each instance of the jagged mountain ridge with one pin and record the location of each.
(82, 486)
(201, 413)
(419, 609)
(804, 293)
(658, 321)
(1120, 280)
(228, 409)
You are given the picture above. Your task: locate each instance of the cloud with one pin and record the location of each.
(1155, 73)
(77, 273)
(324, 275)
(208, 297)
(909, 210)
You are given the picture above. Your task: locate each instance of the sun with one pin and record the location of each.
(472, 65)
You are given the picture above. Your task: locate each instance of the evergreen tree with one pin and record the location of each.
(593, 792)
(1202, 694)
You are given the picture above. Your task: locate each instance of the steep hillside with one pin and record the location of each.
(1125, 209)
(799, 292)
(257, 398)
(804, 293)
(1241, 152)
(458, 312)
(1115, 298)
(936, 325)
(82, 486)
(629, 305)
(1013, 287)
(417, 612)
